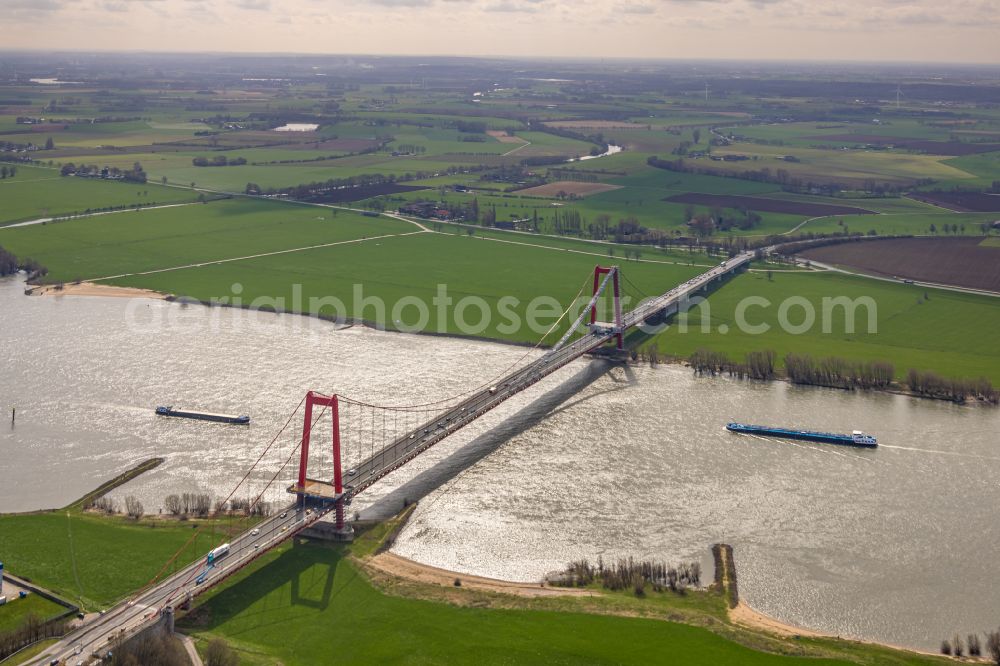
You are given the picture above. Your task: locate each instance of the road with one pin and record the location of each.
(145, 607)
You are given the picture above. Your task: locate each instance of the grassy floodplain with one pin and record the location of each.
(413, 266)
(155, 239)
(38, 193)
(292, 604)
(94, 560)
(927, 329)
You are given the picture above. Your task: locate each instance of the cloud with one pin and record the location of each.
(631, 8)
(255, 5)
(34, 5)
(525, 6)
(400, 3)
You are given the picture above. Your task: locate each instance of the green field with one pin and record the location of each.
(307, 603)
(36, 193)
(16, 611)
(163, 238)
(413, 266)
(949, 333)
(851, 166)
(91, 560)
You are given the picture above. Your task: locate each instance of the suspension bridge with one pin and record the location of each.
(366, 442)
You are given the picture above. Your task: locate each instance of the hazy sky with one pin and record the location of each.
(923, 30)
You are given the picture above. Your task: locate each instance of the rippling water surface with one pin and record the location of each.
(894, 544)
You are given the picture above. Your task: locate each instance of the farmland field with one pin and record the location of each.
(963, 262)
(950, 148)
(32, 195)
(904, 224)
(566, 187)
(404, 267)
(760, 204)
(961, 202)
(595, 124)
(156, 239)
(844, 166)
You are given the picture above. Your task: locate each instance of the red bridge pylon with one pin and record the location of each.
(616, 290)
(316, 488)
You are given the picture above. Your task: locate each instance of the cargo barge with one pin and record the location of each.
(856, 438)
(203, 416)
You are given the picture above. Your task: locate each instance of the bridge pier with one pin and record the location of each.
(329, 532)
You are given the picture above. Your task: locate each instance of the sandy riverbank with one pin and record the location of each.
(93, 289)
(746, 616)
(393, 564)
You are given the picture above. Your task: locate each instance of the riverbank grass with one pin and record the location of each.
(945, 331)
(307, 600)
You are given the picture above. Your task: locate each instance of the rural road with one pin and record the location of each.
(64, 218)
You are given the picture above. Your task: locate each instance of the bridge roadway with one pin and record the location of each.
(132, 615)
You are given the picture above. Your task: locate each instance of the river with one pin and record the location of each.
(894, 544)
(612, 149)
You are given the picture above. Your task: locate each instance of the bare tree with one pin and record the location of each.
(219, 653)
(133, 507)
(202, 505)
(975, 649)
(993, 646)
(105, 504)
(173, 504)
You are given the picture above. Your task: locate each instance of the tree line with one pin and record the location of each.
(10, 264)
(31, 630)
(781, 177)
(218, 161)
(972, 646)
(756, 364)
(630, 573)
(134, 175)
(183, 506)
(836, 372)
(931, 385)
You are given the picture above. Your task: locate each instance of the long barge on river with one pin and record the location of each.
(203, 416)
(856, 438)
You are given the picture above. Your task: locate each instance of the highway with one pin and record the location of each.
(129, 616)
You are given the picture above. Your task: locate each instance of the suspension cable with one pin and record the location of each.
(416, 407)
(245, 476)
